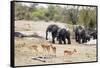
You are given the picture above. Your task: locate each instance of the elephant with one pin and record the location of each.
(94, 34)
(78, 32)
(85, 36)
(19, 34)
(53, 29)
(82, 35)
(60, 33)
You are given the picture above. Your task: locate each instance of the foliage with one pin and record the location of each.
(81, 15)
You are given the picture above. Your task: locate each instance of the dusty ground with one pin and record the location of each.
(24, 53)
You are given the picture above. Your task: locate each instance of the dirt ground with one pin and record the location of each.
(24, 52)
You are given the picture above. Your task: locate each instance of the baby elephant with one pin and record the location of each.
(62, 35)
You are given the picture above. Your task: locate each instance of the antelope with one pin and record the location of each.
(67, 52)
(34, 47)
(48, 47)
(45, 47)
(53, 49)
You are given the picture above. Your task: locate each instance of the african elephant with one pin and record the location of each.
(53, 29)
(63, 34)
(82, 35)
(94, 34)
(59, 33)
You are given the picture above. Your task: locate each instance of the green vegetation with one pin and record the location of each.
(82, 15)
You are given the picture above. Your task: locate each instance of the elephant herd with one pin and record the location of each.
(82, 35)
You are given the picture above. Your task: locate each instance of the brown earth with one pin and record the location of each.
(24, 52)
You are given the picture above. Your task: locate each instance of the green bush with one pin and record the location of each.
(83, 16)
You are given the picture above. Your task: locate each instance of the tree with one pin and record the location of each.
(39, 14)
(73, 14)
(87, 16)
(51, 12)
(23, 12)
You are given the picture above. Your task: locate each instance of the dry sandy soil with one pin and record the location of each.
(24, 52)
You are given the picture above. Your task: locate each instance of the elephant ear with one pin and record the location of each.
(54, 29)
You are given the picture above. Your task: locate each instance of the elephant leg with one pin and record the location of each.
(60, 40)
(57, 38)
(69, 41)
(64, 40)
(68, 38)
(53, 38)
(79, 39)
(84, 39)
(76, 37)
